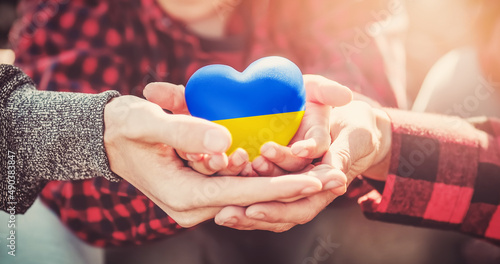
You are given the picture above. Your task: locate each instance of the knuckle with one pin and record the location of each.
(345, 157)
(180, 130)
(136, 115)
(361, 132)
(281, 155)
(364, 136)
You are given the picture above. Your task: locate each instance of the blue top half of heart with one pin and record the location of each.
(271, 85)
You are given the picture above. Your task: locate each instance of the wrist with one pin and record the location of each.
(380, 167)
(115, 113)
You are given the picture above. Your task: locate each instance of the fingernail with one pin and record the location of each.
(310, 190)
(261, 164)
(212, 163)
(332, 185)
(246, 170)
(257, 215)
(146, 92)
(194, 157)
(268, 151)
(215, 141)
(239, 158)
(216, 162)
(229, 222)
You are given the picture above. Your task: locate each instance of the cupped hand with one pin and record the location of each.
(141, 142)
(171, 97)
(312, 139)
(361, 138)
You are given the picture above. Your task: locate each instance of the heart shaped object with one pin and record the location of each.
(265, 102)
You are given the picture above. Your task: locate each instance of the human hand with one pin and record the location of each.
(312, 139)
(361, 142)
(140, 140)
(171, 97)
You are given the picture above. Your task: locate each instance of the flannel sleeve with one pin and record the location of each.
(444, 173)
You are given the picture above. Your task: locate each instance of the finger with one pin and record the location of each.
(264, 167)
(186, 133)
(183, 217)
(248, 171)
(282, 156)
(250, 190)
(339, 155)
(167, 95)
(343, 153)
(194, 157)
(298, 212)
(314, 133)
(234, 217)
(243, 191)
(354, 140)
(189, 156)
(210, 164)
(324, 91)
(237, 162)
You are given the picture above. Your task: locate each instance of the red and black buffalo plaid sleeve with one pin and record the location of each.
(444, 173)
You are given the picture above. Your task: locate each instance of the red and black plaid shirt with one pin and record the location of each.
(93, 46)
(444, 173)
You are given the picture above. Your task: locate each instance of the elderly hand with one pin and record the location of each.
(361, 138)
(313, 136)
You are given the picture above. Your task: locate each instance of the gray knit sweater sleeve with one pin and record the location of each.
(47, 136)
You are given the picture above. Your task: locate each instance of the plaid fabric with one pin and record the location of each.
(444, 173)
(93, 46)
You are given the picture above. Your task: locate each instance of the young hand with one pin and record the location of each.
(311, 140)
(171, 97)
(141, 142)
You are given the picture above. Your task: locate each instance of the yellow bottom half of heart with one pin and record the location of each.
(250, 133)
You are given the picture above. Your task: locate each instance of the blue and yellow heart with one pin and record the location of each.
(265, 102)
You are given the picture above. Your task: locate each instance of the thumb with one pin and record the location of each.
(352, 152)
(316, 137)
(339, 155)
(167, 95)
(188, 134)
(321, 90)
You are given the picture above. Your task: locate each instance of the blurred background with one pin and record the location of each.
(435, 27)
(7, 16)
